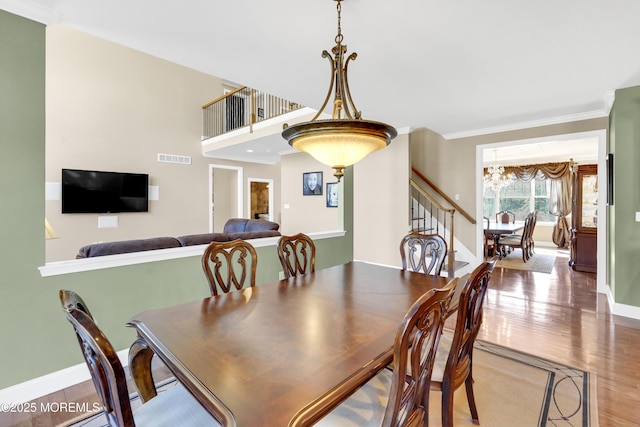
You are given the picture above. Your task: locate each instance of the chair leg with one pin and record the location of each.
(447, 405)
(471, 399)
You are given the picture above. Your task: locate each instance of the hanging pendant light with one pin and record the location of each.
(346, 138)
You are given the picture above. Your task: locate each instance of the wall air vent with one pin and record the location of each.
(173, 158)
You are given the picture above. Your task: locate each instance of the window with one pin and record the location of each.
(520, 198)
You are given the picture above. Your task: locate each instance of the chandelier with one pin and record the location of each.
(346, 138)
(496, 180)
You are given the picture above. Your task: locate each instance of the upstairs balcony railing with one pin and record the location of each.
(242, 107)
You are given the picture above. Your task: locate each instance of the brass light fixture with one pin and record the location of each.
(345, 138)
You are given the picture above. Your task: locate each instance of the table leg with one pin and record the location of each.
(140, 367)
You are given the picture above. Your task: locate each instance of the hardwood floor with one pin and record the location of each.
(561, 317)
(558, 316)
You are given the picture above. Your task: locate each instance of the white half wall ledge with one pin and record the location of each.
(109, 261)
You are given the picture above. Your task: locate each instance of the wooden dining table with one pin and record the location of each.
(498, 229)
(287, 352)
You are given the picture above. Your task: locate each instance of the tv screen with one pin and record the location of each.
(86, 191)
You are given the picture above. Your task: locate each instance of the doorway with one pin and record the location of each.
(600, 136)
(225, 195)
(260, 198)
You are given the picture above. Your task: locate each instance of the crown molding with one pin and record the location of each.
(31, 10)
(531, 124)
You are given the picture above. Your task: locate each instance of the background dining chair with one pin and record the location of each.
(521, 241)
(454, 361)
(229, 265)
(423, 253)
(172, 407)
(489, 241)
(297, 254)
(400, 396)
(506, 217)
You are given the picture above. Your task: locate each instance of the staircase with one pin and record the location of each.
(430, 216)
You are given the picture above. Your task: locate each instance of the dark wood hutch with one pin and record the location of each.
(584, 230)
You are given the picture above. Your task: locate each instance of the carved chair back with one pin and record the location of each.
(506, 217)
(104, 365)
(297, 254)
(423, 253)
(415, 350)
(458, 367)
(229, 265)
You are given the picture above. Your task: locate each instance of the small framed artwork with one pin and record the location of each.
(312, 184)
(332, 194)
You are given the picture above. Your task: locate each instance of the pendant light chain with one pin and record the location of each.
(339, 36)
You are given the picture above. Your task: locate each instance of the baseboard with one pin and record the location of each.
(50, 383)
(623, 310)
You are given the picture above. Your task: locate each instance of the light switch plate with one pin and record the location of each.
(637, 216)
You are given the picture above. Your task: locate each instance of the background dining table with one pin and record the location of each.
(496, 230)
(287, 352)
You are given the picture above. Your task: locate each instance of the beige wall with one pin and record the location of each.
(305, 214)
(381, 203)
(112, 108)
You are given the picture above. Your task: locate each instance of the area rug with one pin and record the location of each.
(518, 389)
(539, 263)
(511, 388)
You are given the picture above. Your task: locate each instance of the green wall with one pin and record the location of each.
(22, 82)
(624, 231)
(36, 338)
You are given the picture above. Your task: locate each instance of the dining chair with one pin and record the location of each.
(454, 361)
(489, 241)
(423, 253)
(70, 299)
(400, 396)
(521, 241)
(532, 243)
(506, 217)
(172, 407)
(297, 254)
(229, 265)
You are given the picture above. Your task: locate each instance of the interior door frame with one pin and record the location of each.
(239, 172)
(270, 184)
(601, 135)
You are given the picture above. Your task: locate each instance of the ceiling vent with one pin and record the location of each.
(173, 158)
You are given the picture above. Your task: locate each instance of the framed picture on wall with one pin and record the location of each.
(312, 184)
(332, 194)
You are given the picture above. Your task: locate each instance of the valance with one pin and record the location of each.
(549, 170)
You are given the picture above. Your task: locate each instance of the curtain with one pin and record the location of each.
(559, 197)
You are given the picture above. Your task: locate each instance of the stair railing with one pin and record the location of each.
(240, 108)
(430, 217)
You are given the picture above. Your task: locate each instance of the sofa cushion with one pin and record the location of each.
(246, 235)
(202, 239)
(235, 225)
(126, 246)
(261, 225)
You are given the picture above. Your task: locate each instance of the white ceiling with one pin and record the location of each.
(456, 67)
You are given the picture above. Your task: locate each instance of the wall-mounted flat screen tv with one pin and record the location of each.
(85, 191)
